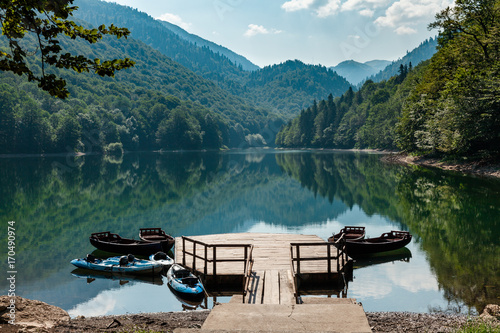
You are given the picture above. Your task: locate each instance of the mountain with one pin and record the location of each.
(289, 87)
(284, 88)
(237, 59)
(157, 104)
(423, 52)
(171, 42)
(356, 72)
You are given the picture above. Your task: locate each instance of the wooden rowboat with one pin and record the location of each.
(156, 235)
(110, 242)
(352, 233)
(388, 241)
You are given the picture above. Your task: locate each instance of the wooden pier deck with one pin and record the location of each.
(266, 271)
(267, 268)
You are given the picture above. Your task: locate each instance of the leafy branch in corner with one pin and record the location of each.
(46, 20)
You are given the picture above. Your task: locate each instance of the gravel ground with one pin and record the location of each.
(165, 322)
(36, 316)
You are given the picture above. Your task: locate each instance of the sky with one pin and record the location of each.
(324, 32)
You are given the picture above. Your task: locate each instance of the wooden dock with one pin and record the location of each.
(265, 274)
(263, 268)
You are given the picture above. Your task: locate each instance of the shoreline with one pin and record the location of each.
(477, 168)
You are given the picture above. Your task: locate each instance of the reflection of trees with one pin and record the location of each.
(456, 218)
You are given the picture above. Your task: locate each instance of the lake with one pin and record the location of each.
(452, 263)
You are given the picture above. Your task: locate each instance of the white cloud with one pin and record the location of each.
(402, 14)
(404, 30)
(254, 29)
(294, 5)
(364, 4)
(331, 8)
(366, 12)
(174, 19)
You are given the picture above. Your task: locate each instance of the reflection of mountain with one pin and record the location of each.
(454, 218)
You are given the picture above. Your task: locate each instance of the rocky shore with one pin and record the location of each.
(36, 316)
(480, 168)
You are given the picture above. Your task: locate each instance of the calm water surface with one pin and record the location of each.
(452, 264)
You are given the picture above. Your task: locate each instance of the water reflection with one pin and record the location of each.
(58, 201)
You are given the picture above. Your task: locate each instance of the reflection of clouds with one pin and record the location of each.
(379, 281)
(373, 286)
(413, 278)
(100, 305)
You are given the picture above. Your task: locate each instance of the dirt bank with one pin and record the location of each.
(480, 168)
(36, 316)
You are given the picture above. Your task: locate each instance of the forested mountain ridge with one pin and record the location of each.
(285, 87)
(237, 59)
(200, 59)
(358, 119)
(157, 104)
(423, 52)
(292, 85)
(447, 105)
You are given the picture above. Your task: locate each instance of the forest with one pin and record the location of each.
(157, 104)
(448, 105)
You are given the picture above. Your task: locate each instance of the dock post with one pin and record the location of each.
(329, 255)
(183, 251)
(298, 258)
(194, 256)
(206, 261)
(214, 260)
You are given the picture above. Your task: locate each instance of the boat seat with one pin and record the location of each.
(155, 237)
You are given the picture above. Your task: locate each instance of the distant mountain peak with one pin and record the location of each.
(355, 72)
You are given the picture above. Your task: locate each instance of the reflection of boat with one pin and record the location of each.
(386, 242)
(156, 235)
(184, 283)
(162, 258)
(124, 264)
(109, 242)
(189, 304)
(349, 233)
(403, 254)
(123, 278)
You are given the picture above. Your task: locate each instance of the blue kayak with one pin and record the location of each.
(123, 264)
(184, 283)
(162, 258)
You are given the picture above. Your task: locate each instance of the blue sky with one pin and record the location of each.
(322, 32)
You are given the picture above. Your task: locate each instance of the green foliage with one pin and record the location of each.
(362, 119)
(479, 326)
(454, 108)
(127, 108)
(47, 20)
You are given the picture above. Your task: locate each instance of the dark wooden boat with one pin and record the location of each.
(156, 235)
(353, 233)
(109, 242)
(388, 241)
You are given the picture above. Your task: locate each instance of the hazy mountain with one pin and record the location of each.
(237, 59)
(423, 52)
(356, 72)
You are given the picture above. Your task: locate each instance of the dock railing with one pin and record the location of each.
(208, 256)
(337, 253)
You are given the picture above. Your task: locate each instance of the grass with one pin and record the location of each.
(479, 326)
